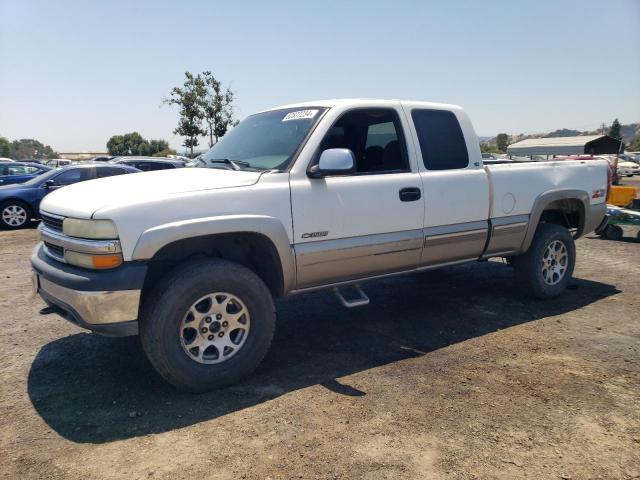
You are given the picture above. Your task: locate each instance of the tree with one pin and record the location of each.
(217, 107)
(189, 98)
(5, 148)
(502, 142)
(165, 153)
(127, 144)
(156, 146)
(488, 148)
(134, 144)
(634, 146)
(615, 130)
(28, 148)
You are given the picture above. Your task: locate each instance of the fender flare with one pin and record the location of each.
(543, 200)
(155, 238)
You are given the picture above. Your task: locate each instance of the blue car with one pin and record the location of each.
(20, 203)
(20, 172)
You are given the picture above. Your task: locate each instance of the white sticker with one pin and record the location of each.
(300, 115)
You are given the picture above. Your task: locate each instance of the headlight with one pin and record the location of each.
(90, 260)
(96, 229)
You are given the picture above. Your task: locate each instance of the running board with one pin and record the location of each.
(360, 300)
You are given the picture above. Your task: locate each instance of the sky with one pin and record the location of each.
(73, 73)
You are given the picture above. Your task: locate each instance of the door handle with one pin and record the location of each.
(410, 194)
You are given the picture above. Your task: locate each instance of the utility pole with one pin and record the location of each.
(604, 128)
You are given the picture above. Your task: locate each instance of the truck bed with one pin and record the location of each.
(515, 186)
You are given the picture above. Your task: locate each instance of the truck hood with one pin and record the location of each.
(83, 199)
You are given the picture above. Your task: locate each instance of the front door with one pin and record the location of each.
(366, 223)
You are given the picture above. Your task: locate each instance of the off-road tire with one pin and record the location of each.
(166, 306)
(528, 268)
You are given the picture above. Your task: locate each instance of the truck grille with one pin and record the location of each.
(51, 222)
(54, 249)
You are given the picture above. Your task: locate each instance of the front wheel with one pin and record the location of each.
(207, 324)
(546, 268)
(613, 232)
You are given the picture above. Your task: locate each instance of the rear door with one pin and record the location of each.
(109, 171)
(456, 187)
(360, 224)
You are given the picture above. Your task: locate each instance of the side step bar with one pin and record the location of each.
(360, 299)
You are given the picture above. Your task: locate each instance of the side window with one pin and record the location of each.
(374, 135)
(145, 166)
(18, 170)
(72, 176)
(102, 172)
(441, 139)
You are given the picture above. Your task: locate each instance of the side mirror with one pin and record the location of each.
(50, 183)
(334, 161)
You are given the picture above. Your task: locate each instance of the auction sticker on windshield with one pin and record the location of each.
(300, 115)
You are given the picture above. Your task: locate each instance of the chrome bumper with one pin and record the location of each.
(109, 312)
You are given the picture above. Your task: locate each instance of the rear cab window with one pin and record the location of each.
(441, 140)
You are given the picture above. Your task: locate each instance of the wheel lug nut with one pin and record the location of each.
(219, 316)
(204, 330)
(221, 334)
(210, 337)
(208, 319)
(225, 324)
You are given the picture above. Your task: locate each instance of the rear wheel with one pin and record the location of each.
(546, 268)
(14, 214)
(207, 324)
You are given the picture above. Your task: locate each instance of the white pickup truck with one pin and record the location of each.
(316, 195)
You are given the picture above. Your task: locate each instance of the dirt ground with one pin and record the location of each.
(449, 374)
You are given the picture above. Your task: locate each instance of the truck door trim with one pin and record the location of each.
(461, 241)
(506, 235)
(335, 260)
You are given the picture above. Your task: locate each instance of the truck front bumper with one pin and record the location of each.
(104, 301)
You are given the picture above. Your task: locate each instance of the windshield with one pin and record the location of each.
(44, 177)
(264, 141)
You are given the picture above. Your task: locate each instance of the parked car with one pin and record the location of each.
(58, 162)
(101, 159)
(148, 164)
(195, 162)
(20, 172)
(312, 196)
(627, 168)
(5, 159)
(20, 203)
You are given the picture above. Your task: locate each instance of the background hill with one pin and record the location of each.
(630, 135)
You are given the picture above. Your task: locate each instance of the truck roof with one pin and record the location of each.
(365, 101)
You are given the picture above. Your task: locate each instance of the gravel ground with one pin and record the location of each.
(449, 374)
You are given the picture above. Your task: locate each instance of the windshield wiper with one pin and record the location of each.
(235, 165)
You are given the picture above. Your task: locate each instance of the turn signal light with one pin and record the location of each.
(87, 260)
(106, 261)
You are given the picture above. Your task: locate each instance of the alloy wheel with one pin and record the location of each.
(554, 262)
(14, 215)
(215, 328)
